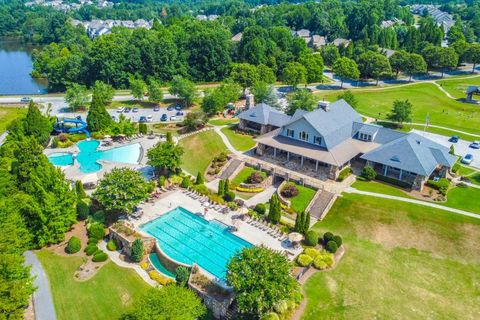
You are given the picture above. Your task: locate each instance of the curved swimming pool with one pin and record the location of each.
(61, 159)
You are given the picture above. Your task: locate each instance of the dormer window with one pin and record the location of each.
(317, 140)
(290, 133)
(364, 136)
(302, 135)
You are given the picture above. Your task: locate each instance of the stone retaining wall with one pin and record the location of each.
(169, 263)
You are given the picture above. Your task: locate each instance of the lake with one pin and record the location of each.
(15, 67)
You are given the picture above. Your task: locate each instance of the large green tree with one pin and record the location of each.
(275, 210)
(184, 89)
(440, 58)
(346, 68)
(313, 63)
(155, 92)
(98, 119)
(294, 74)
(121, 190)
(260, 278)
(76, 96)
(264, 92)
(374, 65)
(301, 99)
(103, 93)
(473, 55)
(37, 125)
(216, 99)
(244, 74)
(138, 88)
(401, 111)
(165, 156)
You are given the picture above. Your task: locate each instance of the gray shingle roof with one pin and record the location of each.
(265, 115)
(412, 153)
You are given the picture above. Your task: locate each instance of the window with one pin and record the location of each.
(317, 140)
(302, 135)
(290, 133)
(365, 137)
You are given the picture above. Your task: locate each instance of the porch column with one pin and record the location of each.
(274, 153)
(400, 175)
(301, 161)
(316, 165)
(288, 156)
(385, 170)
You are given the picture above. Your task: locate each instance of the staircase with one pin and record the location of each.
(232, 167)
(322, 204)
(231, 312)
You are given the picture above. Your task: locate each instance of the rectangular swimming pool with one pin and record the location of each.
(189, 239)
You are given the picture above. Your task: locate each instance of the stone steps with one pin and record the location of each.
(232, 167)
(322, 204)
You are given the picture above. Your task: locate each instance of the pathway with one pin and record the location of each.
(419, 202)
(218, 129)
(261, 197)
(3, 136)
(42, 297)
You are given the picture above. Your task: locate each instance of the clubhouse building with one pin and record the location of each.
(328, 139)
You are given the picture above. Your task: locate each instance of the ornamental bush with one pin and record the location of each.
(290, 190)
(91, 249)
(324, 260)
(260, 208)
(369, 173)
(185, 182)
(199, 179)
(161, 181)
(304, 260)
(311, 238)
(344, 173)
(74, 245)
(181, 276)
(338, 240)
(96, 230)
(99, 256)
(311, 252)
(270, 316)
(332, 246)
(137, 250)
(112, 245)
(256, 177)
(83, 210)
(93, 241)
(229, 196)
(327, 237)
(441, 185)
(281, 307)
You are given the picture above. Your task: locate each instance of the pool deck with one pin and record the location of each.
(244, 230)
(73, 172)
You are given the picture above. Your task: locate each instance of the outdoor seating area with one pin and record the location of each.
(206, 202)
(270, 229)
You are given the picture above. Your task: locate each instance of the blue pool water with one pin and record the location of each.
(187, 238)
(89, 155)
(159, 266)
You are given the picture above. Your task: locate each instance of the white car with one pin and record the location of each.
(149, 118)
(173, 118)
(120, 109)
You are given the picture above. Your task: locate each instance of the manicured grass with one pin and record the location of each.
(475, 178)
(222, 122)
(241, 142)
(300, 202)
(458, 87)
(465, 170)
(8, 114)
(464, 198)
(243, 175)
(378, 187)
(426, 98)
(200, 149)
(105, 296)
(402, 261)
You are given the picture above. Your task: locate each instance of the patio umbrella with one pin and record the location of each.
(295, 237)
(106, 136)
(107, 139)
(90, 178)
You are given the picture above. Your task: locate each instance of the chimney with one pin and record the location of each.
(249, 102)
(325, 105)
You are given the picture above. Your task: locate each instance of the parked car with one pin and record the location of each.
(164, 117)
(170, 108)
(179, 113)
(149, 118)
(475, 145)
(467, 159)
(114, 118)
(135, 110)
(178, 107)
(173, 118)
(127, 110)
(120, 109)
(26, 99)
(156, 108)
(454, 139)
(142, 119)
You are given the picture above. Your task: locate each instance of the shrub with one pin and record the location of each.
(369, 173)
(144, 265)
(221, 187)
(83, 210)
(290, 190)
(455, 167)
(137, 250)
(327, 236)
(323, 260)
(441, 185)
(229, 196)
(338, 240)
(112, 245)
(92, 241)
(161, 181)
(332, 246)
(181, 276)
(270, 316)
(256, 177)
(249, 190)
(232, 205)
(304, 260)
(155, 276)
(201, 188)
(344, 173)
(99, 256)
(91, 249)
(62, 137)
(98, 217)
(185, 182)
(260, 208)
(395, 182)
(311, 238)
(199, 179)
(55, 142)
(311, 252)
(74, 245)
(281, 307)
(96, 230)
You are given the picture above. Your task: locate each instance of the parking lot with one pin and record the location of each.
(148, 113)
(461, 147)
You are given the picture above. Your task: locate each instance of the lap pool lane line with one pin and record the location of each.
(42, 297)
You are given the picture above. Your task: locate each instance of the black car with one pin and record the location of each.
(127, 110)
(164, 117)
(170, 108)
(454, 139)
(179, 113)
(142, 119)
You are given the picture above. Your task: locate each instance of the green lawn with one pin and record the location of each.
(8, 114)
(300, 202)
(241, 142)
(378, 187)
(200, 149)
(222, 122)
(464, 198)
(243, 175)
(458, 87)
(403, 261)
(426, 98)
(105, 296)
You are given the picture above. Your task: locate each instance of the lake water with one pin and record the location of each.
(15, 68)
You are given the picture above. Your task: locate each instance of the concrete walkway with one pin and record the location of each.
(42, 297)
(261, 197)
(230, 147)
(419, 202)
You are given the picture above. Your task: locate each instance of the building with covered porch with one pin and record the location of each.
(262, 118)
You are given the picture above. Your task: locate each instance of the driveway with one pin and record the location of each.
(42, 297)
(461, 147)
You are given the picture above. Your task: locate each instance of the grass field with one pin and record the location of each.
(378, 187)
(402, 261)
(222, 122)
(426, 98)
(300, 202)
(105, 296)
(7, 115)
(241, 142)
(200, 149)
(464, 198)
(243, 175)
(458, 87)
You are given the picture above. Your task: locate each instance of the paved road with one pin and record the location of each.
(42, 297)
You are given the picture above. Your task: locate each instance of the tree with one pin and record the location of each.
(299, 222)
(301, 99)
(194, 119)
(260, 278)
(184, 89)
(440, 58)
(244, 74)
(76, 96)
(294, 73)
(167, 303)
(181, 276)
(348, 96)
(401, 111)
(103, 93)
(266, 74)
(473, 55)
(137, 250)
(346, 68)
(79, 190)
(121, 190)
(374, 65)
(216, 100)
(398, 60)
(415, 64)
(306, 224)
(275, 210)
(155, 93)
(221, 187)
(138, 88)
(452, 150)
(37, 125)
(199, 180)
(264, 93)
(98, 119)
(330, 54)
(313, 63)
(165, 156)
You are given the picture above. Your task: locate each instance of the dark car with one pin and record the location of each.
(156, 108)
(164, 117)
(467, 159)
(179, 113)
(142, 119)
(135, 110)
(127, 110)
(475, 145)
(170, 108)
(454, 139)
(178, 107)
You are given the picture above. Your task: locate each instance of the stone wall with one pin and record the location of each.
(169, 263)
(126, 242)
